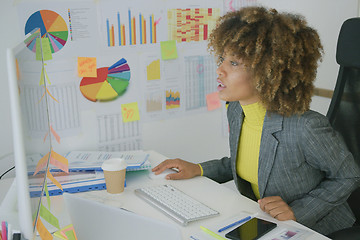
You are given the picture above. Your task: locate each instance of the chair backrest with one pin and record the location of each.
(344, 110)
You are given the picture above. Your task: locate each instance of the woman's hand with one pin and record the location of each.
(277, 208)
(186, 169)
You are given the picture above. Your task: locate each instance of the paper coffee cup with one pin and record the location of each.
(114, 173)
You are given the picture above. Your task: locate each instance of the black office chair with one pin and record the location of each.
(344, 110)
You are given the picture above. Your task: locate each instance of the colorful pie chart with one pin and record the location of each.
(110, 83)
(51, 25)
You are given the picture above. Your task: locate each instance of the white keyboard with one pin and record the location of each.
(175, 203)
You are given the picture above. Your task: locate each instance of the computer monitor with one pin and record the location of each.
(30, 123)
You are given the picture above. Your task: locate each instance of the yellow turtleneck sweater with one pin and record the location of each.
(249, 144)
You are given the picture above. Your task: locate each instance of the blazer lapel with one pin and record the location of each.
(268, 146)
(235, 122)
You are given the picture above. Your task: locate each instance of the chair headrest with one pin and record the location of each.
(348, 46)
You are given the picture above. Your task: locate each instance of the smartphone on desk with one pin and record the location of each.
(251, 230)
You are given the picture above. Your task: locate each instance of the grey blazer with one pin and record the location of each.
(302, 160)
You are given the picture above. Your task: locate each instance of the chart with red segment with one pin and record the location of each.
(110, 82)
(51, 25)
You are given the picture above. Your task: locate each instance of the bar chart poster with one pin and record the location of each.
(129, 25)
(172, 99)
(191, 24)
(154, 101)
(51, 26)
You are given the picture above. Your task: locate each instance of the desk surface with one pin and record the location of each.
(216, 196)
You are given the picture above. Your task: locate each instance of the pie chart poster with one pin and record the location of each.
(51, 25)
(71, 27)
(133, 92)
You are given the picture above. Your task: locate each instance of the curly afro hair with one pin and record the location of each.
(280, 51)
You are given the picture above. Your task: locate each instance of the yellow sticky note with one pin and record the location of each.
(153, 70)
(130, 112)
(87, 67)
(213, 101)
(46, 49)
(168, 50)
(51, 177)
(42, 79)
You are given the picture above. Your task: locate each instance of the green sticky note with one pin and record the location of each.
(168, 50)
(47, 194)
(48, 216)
(70, 235)
(45, 42)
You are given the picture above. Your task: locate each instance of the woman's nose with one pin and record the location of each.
(220, 70)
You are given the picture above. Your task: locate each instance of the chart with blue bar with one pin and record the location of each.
(131, 29)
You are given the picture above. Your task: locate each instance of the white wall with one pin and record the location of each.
(197, 137)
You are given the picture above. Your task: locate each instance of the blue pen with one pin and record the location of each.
(234, 224)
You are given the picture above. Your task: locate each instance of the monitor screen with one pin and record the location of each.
(29, 114)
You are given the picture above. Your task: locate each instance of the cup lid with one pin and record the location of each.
(114, 164)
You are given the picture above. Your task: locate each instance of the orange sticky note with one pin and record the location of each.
(87, 67)
(213, 101)
(43, 232)
(130, 112)
(42, 162)
(59, 161)
(17, 69)
(47, 90)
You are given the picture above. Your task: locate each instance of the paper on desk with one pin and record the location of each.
(80, 160)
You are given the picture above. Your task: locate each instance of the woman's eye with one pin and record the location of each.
(234, 63)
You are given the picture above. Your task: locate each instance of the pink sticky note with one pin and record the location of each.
(213, 101)
(60, 165)
(57, 137)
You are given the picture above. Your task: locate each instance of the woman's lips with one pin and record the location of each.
(221, 86)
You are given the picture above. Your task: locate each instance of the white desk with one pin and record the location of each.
(218, 197)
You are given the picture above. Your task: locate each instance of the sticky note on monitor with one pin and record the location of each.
(46, 49)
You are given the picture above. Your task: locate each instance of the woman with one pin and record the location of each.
(282, 154)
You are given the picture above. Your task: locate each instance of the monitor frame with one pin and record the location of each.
(25, 213)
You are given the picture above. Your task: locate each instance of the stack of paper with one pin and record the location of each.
(72, 183)
(92, 160)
